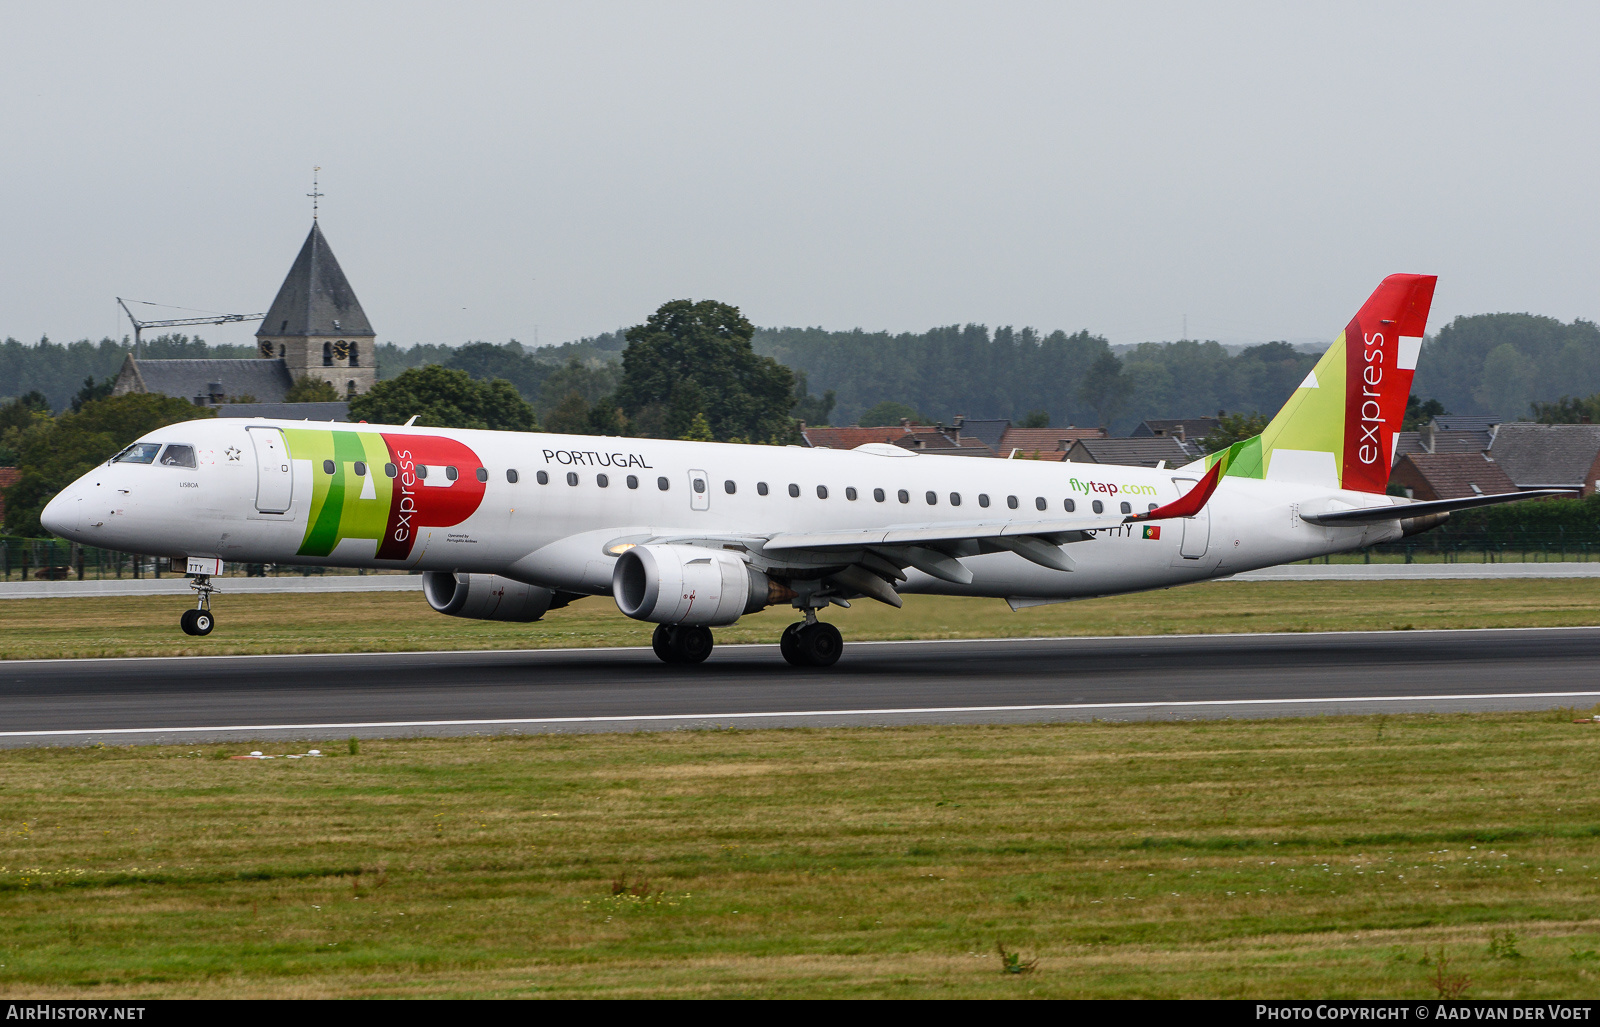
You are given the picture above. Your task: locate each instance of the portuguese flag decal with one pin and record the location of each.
(1152, 531)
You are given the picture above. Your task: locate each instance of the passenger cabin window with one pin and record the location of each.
(761, 488)
(483, 473)
(451, 473)
(699, 485)
(511, 475)
(178, 456)
(1039, 503)
(1152, 506)
(983, 500)
(1127, 508)
(361, 471)
(729, 487)
(422, 471)
(932, 498)
(633, 481)
(603, 480)
(1099, 507)
(1070, 504)
(878, 496)
(903, 496)
(663, 484)
(822, 492)
(138, 453)
(1011, 501)
(794, 490)
(572, 477)
(955, 499)
(390, 470)
(542, 478)
(850, 493)
(327, 467)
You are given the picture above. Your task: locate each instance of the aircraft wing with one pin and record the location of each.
(1405, 511)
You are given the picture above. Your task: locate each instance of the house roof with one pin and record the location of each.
(1546, 455)
(1454, 475)
(1455, 440)
(947, 443)
(339, 411)
(266, 380)
(854, 435)
(9, 476)
(1034, 440)
(1145, 452)
(1193, 428)
(1465, 422)
(986, 430)
(315, 299)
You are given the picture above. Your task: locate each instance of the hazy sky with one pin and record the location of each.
(490, 168)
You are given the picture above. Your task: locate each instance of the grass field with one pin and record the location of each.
(365, 622)
(1281, 858)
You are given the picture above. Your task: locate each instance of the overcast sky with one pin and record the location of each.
(491, 168)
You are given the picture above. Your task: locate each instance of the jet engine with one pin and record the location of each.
(689, 585)
(487, 596)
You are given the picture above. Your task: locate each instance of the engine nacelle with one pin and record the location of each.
(687, 585)
(486, 596)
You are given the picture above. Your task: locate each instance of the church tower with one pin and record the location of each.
(316, 325)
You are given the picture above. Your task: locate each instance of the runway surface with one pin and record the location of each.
(208, 699)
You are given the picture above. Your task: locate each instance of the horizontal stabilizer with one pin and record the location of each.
(1405, 511)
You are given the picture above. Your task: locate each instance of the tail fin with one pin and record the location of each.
(1339, 427)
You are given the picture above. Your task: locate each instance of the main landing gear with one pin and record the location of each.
(811, 643)
(682, 643)
(199, 621)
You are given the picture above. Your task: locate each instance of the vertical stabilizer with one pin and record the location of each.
(1339, 427)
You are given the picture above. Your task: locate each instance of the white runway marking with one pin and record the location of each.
(907, 711)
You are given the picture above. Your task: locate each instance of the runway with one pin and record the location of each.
(235, 698)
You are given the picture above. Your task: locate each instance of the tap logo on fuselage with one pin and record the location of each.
(387, 488)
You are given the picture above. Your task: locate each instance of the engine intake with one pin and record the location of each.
(687, 585)
(487, 596)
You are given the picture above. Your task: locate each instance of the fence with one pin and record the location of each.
(23, 559)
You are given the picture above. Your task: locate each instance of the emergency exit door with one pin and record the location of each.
(699, 490)
(274, 480)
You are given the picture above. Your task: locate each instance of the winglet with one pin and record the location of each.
(1190, 503)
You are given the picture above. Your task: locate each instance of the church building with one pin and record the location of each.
(315, 328)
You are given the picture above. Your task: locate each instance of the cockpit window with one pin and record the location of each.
(178, 456)
(138, 453)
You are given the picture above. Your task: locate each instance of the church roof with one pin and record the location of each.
(266, 380)
(316, 299)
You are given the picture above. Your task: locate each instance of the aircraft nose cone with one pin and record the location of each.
(56, 517)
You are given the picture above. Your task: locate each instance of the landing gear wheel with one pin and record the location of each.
(661, 641)
(197, 622)
(691, 644)
(820, 644)
(789, 644)
(679, 644)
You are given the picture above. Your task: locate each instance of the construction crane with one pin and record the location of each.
(212, 318)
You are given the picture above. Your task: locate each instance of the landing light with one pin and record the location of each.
(620, 548)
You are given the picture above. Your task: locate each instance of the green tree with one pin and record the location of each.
(888, 413)
(570, 416)
(1420, 413)
(53, 452)
(441, 397)
(1036, 419)
(486, 362)
(1234, 428)
(307, 389)
(699, 430)
(812, 410)
(1506, 383)
(92, 390)
(693, 358)
(1569, 410)
(1105, 388)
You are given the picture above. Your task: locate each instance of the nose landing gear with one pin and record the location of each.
(199, 620)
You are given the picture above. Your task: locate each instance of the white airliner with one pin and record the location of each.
(693, 535)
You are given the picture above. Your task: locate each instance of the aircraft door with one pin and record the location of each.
(1196, 529)
(699, 490)
(274, 479)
